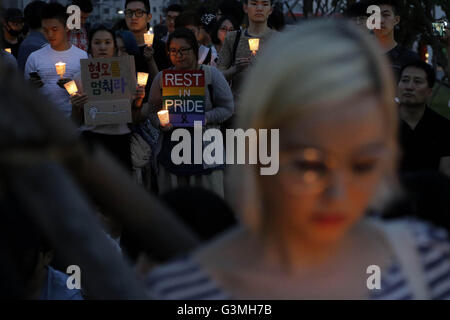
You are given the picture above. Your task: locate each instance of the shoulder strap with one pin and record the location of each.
(403, 244)
(235, 45)
(208, 80)
(208, 57)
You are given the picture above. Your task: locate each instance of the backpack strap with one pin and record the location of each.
(208, 57)
(402, 242)
(235, 45)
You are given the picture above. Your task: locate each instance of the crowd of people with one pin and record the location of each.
(364, 161)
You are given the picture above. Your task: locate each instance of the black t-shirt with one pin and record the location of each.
(423, 147)
(161, 59)
(14, 47)
(399, 56)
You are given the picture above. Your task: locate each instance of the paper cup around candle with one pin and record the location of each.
(253, 43)
(163, 116)
(71, 87)
(8, 50)
(60, 68)
(142, 78)
(148, 37)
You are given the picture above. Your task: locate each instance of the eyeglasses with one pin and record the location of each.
(182, 51)
(138, 13)
(309, 169)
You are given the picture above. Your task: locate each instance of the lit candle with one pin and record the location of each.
(142, 78)
(71, 87)
(8, 50)
(60, 68)
(253, 43)
(163, 116)
(148, 37)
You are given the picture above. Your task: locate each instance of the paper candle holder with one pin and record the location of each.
(8, 50)
(60, 68)
(253, 43)
(71, 87)
(142, 78)
(163, 116)
(149, 37)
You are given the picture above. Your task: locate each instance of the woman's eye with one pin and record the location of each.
(363, 167)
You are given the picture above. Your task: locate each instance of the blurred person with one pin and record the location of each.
(8, 59)
(173, 11)
(35, 39)
(424, 134)
(235, 55)
(221, 28)
(276, 20)
(183, 51)
(126, 43)
(357, 12)
(207, 55)
(303, 233)
(150, 59)
(13, 27)
(79, 37)
(40, 66)
(390, 19)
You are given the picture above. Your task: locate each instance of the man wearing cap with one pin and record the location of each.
(12, 29)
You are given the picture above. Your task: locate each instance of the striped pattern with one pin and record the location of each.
(183, 279)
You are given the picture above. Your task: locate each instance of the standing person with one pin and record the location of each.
(42, 62)
(424, 134)
(114, 137)
(150, 59)
(235, 56)
(79, 37)
(183, 50)
(35, 39)
(221, 28)
(303, 233)
(390, 18)
(173, 11)
(12, 24)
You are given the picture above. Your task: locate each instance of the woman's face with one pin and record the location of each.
(121, 50)
(102, 45)
(182, 55)
(331, 162)
(226, 27)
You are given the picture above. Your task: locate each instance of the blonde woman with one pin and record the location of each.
(303, 232)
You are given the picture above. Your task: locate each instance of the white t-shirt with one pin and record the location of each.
(43, 62)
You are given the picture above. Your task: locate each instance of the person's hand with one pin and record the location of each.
(62, 82)
(138, 96)
(148, 53)
(166, 128)
(241, 63)
(79, 100)
(36, 82)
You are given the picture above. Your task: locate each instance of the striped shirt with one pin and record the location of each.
(184, 278)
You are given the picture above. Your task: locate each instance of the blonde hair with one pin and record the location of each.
(318, 61)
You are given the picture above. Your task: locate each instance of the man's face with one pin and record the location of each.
(137, 17)
(83, 17)
(258, 10)
(170, 20)
(13, 27)
(55, 32)
(413, 87)
(388, 20)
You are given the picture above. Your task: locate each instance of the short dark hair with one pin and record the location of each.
(85, 5)
(97, 29)
(174, 8)
(186, 34)
(215, 29)
(188, 18)
(145, 2)
(393, 3)
(33, 12)
(246, 1)
(419, 64)
(54, 10)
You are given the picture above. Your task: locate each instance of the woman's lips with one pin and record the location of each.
(329, 219)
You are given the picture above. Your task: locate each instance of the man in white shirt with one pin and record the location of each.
(40, 66)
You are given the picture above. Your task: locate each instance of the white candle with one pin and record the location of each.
(71, 87)
(60, 68)
(253, 43)
(142, 78)
(163, 116)
(8, 50)
(148, 37)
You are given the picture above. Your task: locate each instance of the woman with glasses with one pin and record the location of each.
(303, 231)
(224, 25)
(182, 48)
